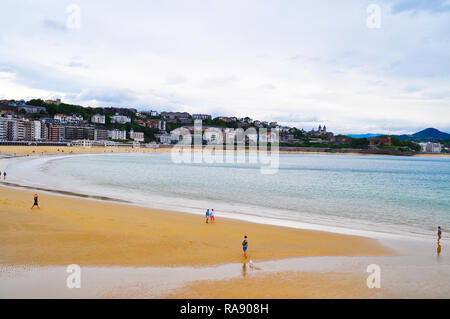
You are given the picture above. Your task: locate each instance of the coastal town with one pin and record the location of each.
(54, 122)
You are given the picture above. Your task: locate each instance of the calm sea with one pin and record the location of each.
(400, 195)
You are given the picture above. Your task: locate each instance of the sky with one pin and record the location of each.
(344, 64)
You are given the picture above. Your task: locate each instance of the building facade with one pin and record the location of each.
(430, 147)
(98, 119)
(120, 119)
(137, 136)
(117, 135)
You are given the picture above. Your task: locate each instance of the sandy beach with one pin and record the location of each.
(73, 230)
(152, 248)
(68, 230)
(61, 150)
(17, 150)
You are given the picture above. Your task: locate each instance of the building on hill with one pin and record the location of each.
(68, 119)
(158, 124)
(228, 118)
(120, 119)
(17, 103)
(150, 113)
(30, 109)
(8, 109)
(320, 131)
(98, 119)
(55, 101)
(174, 117)
(201, 116)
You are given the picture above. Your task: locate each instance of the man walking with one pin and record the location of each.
(245, 246)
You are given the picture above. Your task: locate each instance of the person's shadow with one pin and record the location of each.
(244, 269)
(439, 249)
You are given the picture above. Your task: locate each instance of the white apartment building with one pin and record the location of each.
(430, 147)
(3, 129)
(166, 138)
(65, 119)
(118, 135)
(36, 127)
(98, 119)
(121, 119)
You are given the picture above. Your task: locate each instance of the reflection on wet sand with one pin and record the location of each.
(244, 269)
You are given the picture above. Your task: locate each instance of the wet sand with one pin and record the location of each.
(282, 285)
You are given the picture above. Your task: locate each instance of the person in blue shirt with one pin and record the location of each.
(207, 215)
(439, 234)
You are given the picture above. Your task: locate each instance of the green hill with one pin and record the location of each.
(426, 135)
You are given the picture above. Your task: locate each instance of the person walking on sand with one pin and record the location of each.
(212, 215)
(439, 234)
(36, 197)
(207, 215)
(4, 175)
(245, 246)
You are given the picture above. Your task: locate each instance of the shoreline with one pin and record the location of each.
(250, 218)
(29, 150)
(147, 246)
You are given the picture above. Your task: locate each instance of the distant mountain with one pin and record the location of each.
(427, 135)
(368, 135)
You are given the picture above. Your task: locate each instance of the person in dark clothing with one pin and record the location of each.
(36, 198)
(245, 246)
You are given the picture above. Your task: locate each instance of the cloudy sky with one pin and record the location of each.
(302, 63)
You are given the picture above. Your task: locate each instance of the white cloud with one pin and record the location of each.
(299, 62)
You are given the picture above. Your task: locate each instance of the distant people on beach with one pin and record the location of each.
(4, 175)
(36, 198)
(245, 246)
(207, 215)
(212, 216)
(439, 234)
